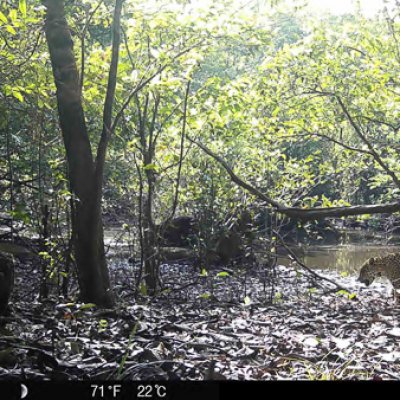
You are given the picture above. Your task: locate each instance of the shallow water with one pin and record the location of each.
(357, 248)
(340, 258)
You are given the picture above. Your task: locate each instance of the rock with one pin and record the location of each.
(6, 280)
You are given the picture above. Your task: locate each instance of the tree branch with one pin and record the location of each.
(110, 95)
(304, 214)
(182, 147)
(143, 83)
(374, 154)
(346, 146)
(236, 179)
(83, 37)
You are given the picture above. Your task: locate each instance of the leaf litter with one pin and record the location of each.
(251, 325)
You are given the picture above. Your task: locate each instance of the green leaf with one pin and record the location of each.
(143, 289)
(13, 16)
(247, 301)
(278, 296)
(22, 7)
(103, 323)
(203, 272)
(11, 30)
(276, 111)
(223, 274)
(87, 306)
(3, 18)
(345, 293)
(45, 255)
(21, 215)
(18, 96)
(150, 167)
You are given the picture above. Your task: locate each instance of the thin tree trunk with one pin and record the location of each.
(150, 239)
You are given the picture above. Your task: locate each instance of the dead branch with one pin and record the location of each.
(308, 269)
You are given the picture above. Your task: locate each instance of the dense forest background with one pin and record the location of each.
(303, 109)
(218, 127)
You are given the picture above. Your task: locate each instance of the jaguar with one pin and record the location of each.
(387, 266)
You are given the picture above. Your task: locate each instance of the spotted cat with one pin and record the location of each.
(388, 266)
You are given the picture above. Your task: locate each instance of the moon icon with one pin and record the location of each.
(24, 391)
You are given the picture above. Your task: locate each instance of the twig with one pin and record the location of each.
(394, 376)
(308, 269)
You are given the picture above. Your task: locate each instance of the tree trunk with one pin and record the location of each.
(94, 281)
(93, 273)
(151, 258)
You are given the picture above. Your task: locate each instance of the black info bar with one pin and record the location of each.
(181, 390)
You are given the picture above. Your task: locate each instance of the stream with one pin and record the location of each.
(348, 256)
(339, 258)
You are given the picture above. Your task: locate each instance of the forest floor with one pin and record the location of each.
(238, 324)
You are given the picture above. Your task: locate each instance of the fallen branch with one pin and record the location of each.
(305, 214)
(308, 269)
(329, 212)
